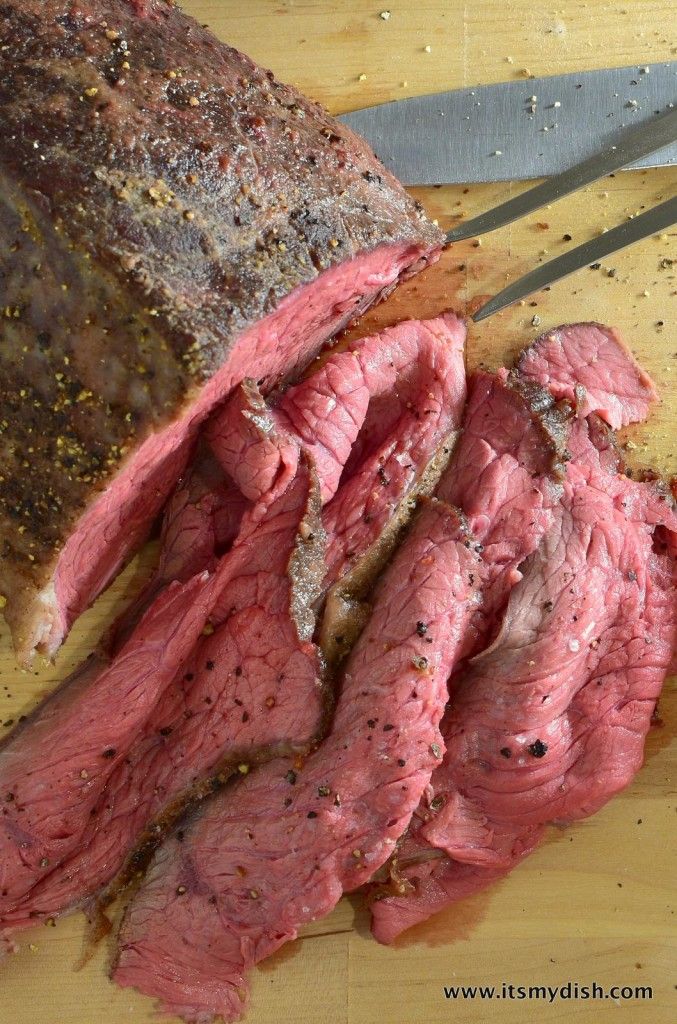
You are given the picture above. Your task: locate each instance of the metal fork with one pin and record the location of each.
(630, 146)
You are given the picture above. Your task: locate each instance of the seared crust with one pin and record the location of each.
(159, 194)
(552, 418)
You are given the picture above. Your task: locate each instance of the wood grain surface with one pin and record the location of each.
(597, 901)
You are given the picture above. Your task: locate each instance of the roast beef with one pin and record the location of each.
(172, 219)
(253, 445)
(54, 766)
(379, 419)
(253, 681)
(413, 373)
(200, 521)
(505, 475)
(253, 686)
(590, 365)
(549, 722)
(280, 848)
(391, 395)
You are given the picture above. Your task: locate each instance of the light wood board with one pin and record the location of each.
(597, 901)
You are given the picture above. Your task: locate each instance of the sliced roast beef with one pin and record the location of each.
(254, 682)
(549, 722)
(252, 687)
(414, 373)
(379, 419)
(54, 767)
(431, 882)
(505, 475)
(402, 386)
(200, 522)
(280, 848)
(169, 224)
(253, 445)
(590, 365)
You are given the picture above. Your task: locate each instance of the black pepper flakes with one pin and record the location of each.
(505, 752)
(290, 777)
(109, 753)
(401, 762)
(209, 665)
(166, 730)
(312, 814)
(538, 748)
(323, 791)
(421, 628)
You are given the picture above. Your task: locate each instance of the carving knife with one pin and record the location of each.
(527, 128)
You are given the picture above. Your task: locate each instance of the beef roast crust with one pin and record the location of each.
(159, 194)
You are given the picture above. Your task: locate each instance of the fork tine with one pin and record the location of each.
(657, 219)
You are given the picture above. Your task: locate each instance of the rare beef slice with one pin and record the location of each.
(252, 681)
(54, 766)
(172, 219)
(253, 686)
(590, 365)
(280, 848)
(549, 721)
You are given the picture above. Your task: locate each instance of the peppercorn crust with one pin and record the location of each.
(159, 195)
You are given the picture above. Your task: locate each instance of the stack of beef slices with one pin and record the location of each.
(505, 679)
(218, 666)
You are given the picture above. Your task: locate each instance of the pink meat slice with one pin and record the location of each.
(589, 363)
(505, 475)
(54, 768)
(253, 683)
(200, 523)
(253, 445)
(279, 849)
(549, 722)
(415, 375)
(371, 417)
(432, 882)
(249, 689)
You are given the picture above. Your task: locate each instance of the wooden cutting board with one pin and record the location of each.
(597, 902)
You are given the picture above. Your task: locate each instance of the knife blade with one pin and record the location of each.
(501, 133)
(657, 219)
